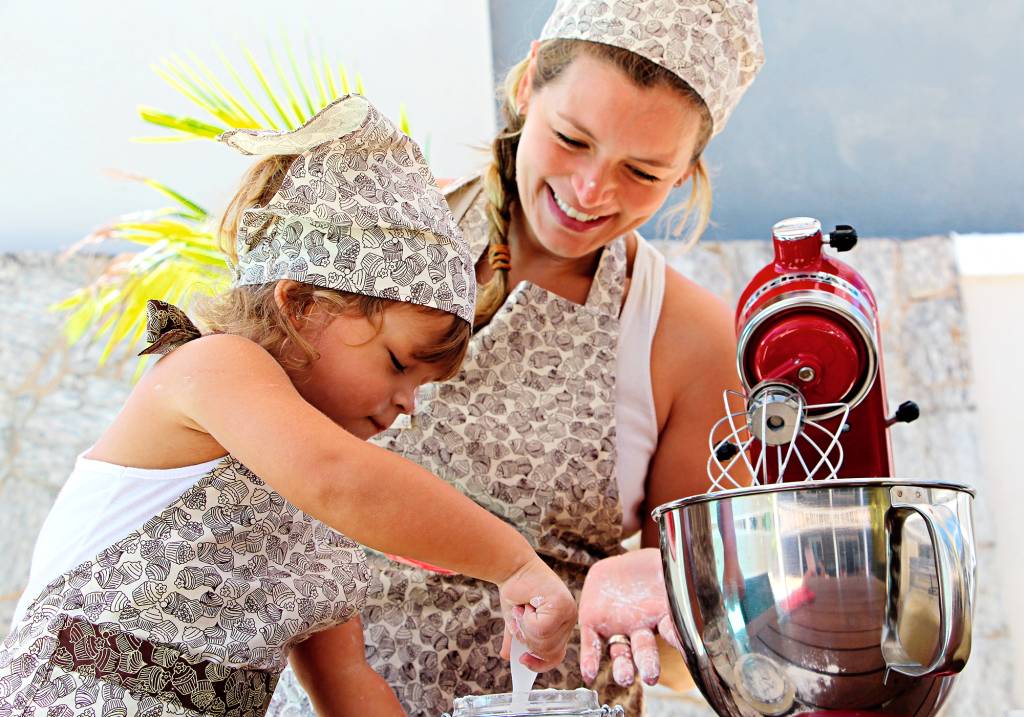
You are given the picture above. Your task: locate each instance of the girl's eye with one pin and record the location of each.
(575, 144)
(396, 363)
(640, 174)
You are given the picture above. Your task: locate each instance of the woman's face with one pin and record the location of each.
(598, 155)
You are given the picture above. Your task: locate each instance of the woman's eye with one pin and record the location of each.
(396, 363)
(575, 144)
(640, 174)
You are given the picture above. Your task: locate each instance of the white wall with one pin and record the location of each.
(992, 285)
(72, 74)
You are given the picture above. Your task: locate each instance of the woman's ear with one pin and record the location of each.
(525, 89)
(686, 175)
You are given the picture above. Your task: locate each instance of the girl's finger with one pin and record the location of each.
(537, 664)
(506, 642)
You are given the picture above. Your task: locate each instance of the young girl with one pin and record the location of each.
(181, 584)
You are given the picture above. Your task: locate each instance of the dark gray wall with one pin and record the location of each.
(903, 119)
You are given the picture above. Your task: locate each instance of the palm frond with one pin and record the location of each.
(176, 250)
(245, 90)
(293, 100)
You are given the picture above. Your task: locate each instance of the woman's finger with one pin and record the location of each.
(591, 646)
(667, 630)
(645, 655)
(622, 664)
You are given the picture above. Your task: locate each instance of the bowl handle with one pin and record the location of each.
(955, 612)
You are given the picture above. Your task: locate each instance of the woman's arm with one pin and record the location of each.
(332, 668)
(236, 392)
(693, 361)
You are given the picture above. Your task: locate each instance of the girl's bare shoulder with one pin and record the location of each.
(218, 354)
(205, 369)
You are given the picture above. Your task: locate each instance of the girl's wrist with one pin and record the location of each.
(519, 559)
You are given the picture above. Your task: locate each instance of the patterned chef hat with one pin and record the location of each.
(357, 211)
(713, 45)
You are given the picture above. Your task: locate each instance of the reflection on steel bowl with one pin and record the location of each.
(823, 597)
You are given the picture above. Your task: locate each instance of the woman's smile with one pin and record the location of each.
(571, 218)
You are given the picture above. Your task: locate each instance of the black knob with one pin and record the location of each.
(843, 238)
(908, 412)
(726, 450)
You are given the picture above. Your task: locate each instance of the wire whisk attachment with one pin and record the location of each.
(775, 435)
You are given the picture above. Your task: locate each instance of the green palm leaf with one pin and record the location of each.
(293, 97)
(177, 253)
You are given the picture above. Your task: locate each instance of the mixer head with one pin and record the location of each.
(809, 358)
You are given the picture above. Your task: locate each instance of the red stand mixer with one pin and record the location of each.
(828, 586)
(810, 362)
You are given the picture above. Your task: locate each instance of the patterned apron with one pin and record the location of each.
(193, 613)
(527, 430)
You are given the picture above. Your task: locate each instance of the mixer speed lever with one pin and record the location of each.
(908, 412)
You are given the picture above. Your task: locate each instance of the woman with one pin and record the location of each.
(595, 372)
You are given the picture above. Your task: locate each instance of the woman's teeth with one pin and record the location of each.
(578, 216)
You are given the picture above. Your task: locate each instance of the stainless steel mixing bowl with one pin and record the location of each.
(832, 597)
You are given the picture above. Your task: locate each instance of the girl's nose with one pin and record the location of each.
(405, 400)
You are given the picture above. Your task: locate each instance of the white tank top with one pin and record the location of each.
(99, 504)
(636, 424)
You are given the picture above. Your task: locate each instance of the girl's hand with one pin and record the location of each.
(540, 611)
(625, 595)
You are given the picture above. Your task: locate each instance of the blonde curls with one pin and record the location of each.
(499, 180)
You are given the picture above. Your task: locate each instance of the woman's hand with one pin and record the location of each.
(540, 611)
(625, 596)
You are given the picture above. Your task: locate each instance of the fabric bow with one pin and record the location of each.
(167, 328)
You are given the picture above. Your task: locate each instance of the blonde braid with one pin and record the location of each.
(501, 191)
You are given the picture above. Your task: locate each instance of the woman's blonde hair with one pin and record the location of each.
(499, 179)
(253, 311)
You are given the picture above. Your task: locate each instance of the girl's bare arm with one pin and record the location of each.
(332, 667)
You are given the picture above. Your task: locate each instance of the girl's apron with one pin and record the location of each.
(193, 613)
(527, 430)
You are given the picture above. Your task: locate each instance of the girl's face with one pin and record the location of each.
(366, 374)
(598, 155)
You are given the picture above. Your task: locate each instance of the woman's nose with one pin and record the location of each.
(592, 185)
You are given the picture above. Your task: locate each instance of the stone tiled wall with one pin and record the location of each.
(54, 403)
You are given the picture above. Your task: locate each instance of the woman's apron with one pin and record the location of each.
(193, 613)
(527, 430)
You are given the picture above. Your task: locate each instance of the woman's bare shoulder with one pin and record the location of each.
(695, 325)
